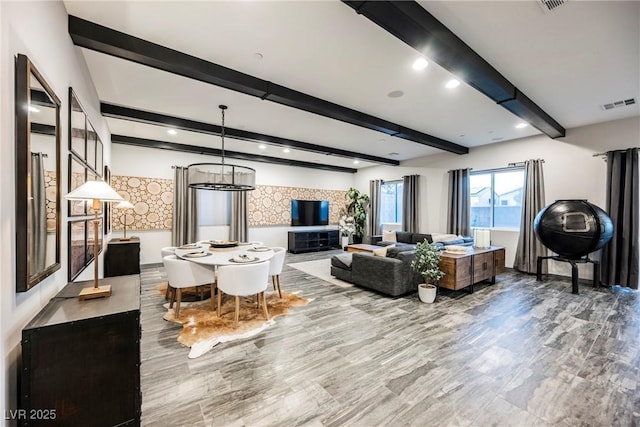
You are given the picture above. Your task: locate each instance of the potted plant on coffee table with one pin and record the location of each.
(427, 264)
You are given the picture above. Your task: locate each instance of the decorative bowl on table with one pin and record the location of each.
(244, 258)
(223, 243)
(259, 249)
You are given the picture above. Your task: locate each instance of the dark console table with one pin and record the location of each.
(81, 359)
(122, 257)
(313, 240)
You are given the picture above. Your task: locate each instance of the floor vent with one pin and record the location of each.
(618, 104)
(550, 5)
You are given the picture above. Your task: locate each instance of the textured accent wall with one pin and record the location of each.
(267, 205)
(152, 199)
(50, 191)
(271, 205)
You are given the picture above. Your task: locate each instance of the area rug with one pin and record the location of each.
(202, 329)
(321, 269)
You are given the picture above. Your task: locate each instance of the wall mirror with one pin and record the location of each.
(37, 177)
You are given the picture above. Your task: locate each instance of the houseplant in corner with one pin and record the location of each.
(347, 227)
(427, 264)
(356, 207)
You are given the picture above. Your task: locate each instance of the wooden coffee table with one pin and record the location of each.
(362, 247)
(476, 265)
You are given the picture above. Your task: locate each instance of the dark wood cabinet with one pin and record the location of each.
(122, 257)
(313, 240)
(81, 359)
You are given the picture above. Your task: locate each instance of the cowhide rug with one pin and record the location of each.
(202, 329)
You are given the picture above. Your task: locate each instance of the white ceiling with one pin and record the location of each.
(569, 62)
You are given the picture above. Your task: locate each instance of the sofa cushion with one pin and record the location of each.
(393, 252)
(404, 237)
(342, 261)
(441, 237)
(453, 242)
(383, 250)
(419, 238)
(389, 236)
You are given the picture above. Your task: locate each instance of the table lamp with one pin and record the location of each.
(125, 204)
(97, 192)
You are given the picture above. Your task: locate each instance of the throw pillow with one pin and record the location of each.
(389, 236)
(382, 251)
(439, 237)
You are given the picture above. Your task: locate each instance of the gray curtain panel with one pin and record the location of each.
(620, 259)
(184, 228)
(239, 226)
(411, 203)
(459, 217)
(374, 207)
(533, 200)
(38, 208)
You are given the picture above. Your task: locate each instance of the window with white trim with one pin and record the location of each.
(496, 198)
(391, 202)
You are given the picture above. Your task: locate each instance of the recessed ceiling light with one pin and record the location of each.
(452, 83)
(258, 56)
(355, 162)
(461, 135)
(420, 64)
(286, 150)
(262, 147)
(172, 132)
(393, 153)
(521, 125)
(395, 94)
(33, 109)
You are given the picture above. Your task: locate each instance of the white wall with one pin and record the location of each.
(156, 163)
(571, 172)
(38, 30)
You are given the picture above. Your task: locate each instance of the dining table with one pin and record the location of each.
(221, 256)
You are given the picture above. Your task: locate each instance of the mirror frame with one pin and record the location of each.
(24, 69)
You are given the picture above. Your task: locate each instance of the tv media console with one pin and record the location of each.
(313, 240)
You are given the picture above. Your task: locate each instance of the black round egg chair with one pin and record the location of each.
(573, 229)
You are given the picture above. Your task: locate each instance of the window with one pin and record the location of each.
(214, 207)
(496, 198)
(391, 202)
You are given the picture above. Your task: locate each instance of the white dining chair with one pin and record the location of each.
(275, 268)
(243, 280)
(184, 274)
(166, 251)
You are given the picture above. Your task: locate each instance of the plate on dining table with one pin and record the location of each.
(223, 243)
(259, 249)
(196, 254)
(189, 246)
(243, 260)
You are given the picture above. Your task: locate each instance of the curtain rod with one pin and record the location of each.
(45, 155)
(514, 164)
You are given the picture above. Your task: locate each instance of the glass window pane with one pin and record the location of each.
(213, 207)
(508, 199)
(480, 200)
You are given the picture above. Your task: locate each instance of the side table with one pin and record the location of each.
(122, 257)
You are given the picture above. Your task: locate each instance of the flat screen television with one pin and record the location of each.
(309, 212)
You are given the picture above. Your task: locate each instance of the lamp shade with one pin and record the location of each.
(95, 190)
(125, 204)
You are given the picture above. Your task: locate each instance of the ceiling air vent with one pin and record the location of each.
(618, 104)
(550, 5)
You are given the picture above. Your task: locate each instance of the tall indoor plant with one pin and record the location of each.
(427, 264)
(357, 208)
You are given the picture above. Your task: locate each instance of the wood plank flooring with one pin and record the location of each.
(518, 353)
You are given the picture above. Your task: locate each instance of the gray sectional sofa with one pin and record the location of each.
(408, 238)
(391, 275)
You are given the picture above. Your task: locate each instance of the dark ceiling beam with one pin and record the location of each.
(412, 24)
(152, 143)
(127, 113)
(111, 42)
